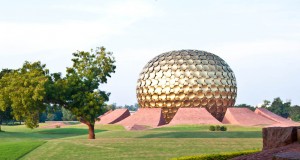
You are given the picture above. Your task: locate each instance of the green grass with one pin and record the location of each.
(45, 134)
(17, 149)
(131, 148)
(205, 128)
(114, 142)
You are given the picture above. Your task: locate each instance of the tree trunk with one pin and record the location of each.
(91, 128)
(91, 131)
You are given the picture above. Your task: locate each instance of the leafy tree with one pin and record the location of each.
(107, 107)
(67, 115)
(52, 113)
(79, 91)
(23, 90)
(280, 108)
(265, 104)
(30, 89)
(132, 107)
(43, 117)
(5, 114)
(294, 113)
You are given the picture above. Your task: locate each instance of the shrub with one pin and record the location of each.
(221, 156)
(218, 128)
(212, 128)
(57, 126)
(223, 128)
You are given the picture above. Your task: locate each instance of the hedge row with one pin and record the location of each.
(221, 156)
(217, 128)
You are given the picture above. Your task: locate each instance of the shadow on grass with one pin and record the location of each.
(239, 134)
(67, 132)
(49, 133)
(17, 149)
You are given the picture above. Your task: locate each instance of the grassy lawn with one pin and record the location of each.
(17, 149)
(113, 142)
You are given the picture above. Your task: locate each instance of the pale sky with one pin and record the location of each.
(259, 39)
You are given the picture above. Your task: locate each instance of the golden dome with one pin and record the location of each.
(187, 78)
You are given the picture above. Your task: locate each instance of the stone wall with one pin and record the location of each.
(274, 137)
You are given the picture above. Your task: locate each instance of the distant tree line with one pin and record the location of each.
(114, 106)
(277, 106)
(57, 114)
(53, 113)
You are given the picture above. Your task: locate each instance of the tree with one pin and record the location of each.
(23, 90)
(30, 89)
(67, 115)
(107, 107)
(132, 107)
(79, 91)
(280, 108)
(265, 104)
(294, 113)
(5, 114)
(52, 113)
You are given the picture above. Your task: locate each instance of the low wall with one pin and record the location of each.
(274, 137)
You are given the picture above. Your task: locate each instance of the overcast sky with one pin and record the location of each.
(260, 39)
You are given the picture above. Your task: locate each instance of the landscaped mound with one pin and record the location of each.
(144, 116)
(245, 117)
(114, 116)
(193, 116)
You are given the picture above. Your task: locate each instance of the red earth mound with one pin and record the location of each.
(193, 116)
(245, 117)
(144, 116)
(54, 125)
(280, 120)
(105, 113)
(114, 116)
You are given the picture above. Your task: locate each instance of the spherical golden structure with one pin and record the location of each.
(187, 78)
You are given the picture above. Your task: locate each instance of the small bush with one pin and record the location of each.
(212, 128)
(221, 156)
(223, 128)
(57, 126)
(217, 128)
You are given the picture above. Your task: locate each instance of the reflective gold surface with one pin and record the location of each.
(187, 78)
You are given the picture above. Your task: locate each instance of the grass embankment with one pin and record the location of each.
(113, 142)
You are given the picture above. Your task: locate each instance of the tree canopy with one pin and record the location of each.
(279, 107)
(31, 89)
(23, 90)
(79, 91)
